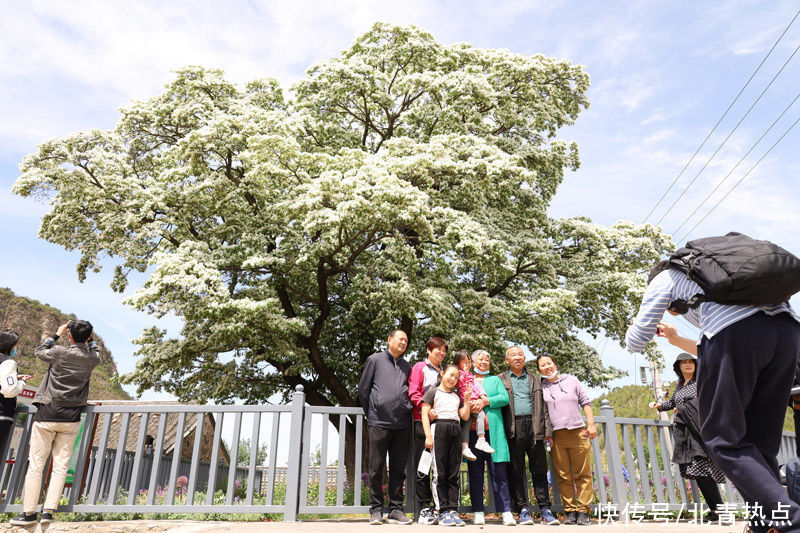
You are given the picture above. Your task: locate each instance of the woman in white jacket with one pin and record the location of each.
(10, 383)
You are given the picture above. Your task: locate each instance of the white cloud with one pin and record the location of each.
(659, 136)
(626, 93)
(101, 55)
(658, 115)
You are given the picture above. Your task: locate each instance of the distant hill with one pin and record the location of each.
(631, 401)
(34, 320)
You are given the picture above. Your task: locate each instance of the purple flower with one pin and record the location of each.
(182, 482)
(606, 480)
(236, 484)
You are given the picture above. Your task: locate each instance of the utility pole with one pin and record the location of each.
(662, 415)
(655, 372)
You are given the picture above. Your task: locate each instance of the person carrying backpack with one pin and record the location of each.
(747, 356)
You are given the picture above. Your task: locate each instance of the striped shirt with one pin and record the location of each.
(709, 317)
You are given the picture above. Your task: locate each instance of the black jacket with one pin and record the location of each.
(383, 391)
(540, 416)
(686, 431)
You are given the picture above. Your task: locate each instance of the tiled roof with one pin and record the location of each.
(170, 431)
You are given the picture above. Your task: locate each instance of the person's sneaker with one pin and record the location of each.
(427, 516)
(583, 519)
(446, 520)
(571, 518)
(478, 518)
(508, 519)
(375, 518)
(525, 517)
(483, 446)
(46, 518)
(456, 519)
(712, 517)
(468, 455)
(398, 517)
(23, 519)
(548, 518)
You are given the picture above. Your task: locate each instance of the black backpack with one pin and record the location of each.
(737, 270)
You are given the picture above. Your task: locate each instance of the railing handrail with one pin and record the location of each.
(173, 408)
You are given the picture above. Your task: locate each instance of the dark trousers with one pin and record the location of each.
(447, 463)
(395, 442)
(497, 476)
(710, 491)
(744, 376)
(6, 428)
(520, 446)
(422, 483)
(796, 415)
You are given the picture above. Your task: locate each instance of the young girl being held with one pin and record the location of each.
(443, 438)
(466, 380)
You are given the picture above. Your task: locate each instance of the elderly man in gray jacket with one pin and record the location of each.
(60, 399)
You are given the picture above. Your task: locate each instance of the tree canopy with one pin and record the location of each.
(404, 183)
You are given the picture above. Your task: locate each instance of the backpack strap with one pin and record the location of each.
(682, 306)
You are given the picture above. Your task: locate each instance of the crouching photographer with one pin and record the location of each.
(60, 399)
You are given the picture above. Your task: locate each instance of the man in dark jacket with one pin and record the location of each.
(527, 425)
(59, 400)
(383, 393)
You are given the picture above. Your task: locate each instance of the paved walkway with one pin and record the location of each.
(349, 526)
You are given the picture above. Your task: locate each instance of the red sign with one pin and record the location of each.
(27, 395)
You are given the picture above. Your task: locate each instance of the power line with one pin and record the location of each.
(679, 328)
(720, 118)
(741, 179)
(736, 165)
(728, 137)
(604, 348)
(692, 330)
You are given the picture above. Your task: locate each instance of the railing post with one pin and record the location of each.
(614, 459)
(411, 478)
(294, 471)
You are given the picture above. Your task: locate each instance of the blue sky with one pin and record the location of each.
(662, 74)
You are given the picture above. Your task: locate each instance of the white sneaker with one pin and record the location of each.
(508, 519)
(483, 446)
(427, 516)
(468, 454)
(478, 518)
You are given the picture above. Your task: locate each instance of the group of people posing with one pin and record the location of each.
(494, 422)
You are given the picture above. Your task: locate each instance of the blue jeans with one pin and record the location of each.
(497, 476)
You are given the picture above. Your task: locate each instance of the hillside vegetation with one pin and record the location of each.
(631, 401)
(33, 321)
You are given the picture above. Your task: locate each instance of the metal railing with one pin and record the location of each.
(630, 462)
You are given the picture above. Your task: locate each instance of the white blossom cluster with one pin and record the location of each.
(403, 183)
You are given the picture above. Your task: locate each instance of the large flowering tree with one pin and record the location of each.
(404, 183)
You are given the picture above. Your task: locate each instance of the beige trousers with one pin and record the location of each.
(572, 461)
(60, 437)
